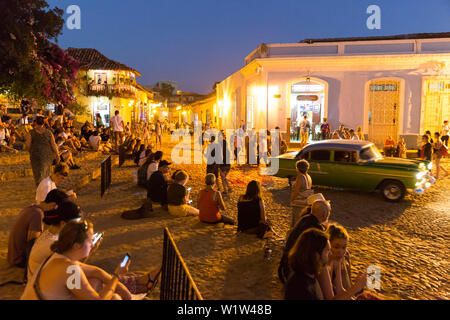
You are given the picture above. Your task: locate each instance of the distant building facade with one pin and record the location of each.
(105, 86)
(395, 85)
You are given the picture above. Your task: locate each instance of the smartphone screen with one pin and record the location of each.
(125, 260)
(97, 237)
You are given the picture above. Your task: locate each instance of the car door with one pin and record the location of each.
(319, 161)
(344, 170)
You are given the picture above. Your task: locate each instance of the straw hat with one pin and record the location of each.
(316, 197)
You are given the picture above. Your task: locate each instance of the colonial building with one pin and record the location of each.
(105, 86)
(393, 85)
(179, 106)
(206, 110)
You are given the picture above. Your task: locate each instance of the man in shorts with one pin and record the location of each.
(117, 126)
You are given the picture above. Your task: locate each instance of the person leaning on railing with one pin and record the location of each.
(63, 277)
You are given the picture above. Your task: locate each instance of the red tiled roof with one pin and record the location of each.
(93, 59)
(395, 37)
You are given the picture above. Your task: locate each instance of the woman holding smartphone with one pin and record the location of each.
(63, 277)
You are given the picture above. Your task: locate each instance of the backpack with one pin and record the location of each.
(142, 175)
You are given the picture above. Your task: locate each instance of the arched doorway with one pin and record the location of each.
(308, 98)
(436, 104)
(384, 101)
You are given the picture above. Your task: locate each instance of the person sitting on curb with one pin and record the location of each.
(28, 227)
(65, 154)
(210, 203)
(153, 160)
(50, 281)
(251, 212)
(335, 277)
(307, 258)
(157, 187)
(318, 218)
(156, 192)
(54, 220)
(178, 197)
(60, 173)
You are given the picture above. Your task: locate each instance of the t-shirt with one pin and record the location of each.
(94, 142)
(304, 125)
(116, 123)
(445, 130)
(40, 251)
(30, 219)
(249, 214)
(299, 286)
(157, 188)
(45, 186)
(175, 194)
(325, 127)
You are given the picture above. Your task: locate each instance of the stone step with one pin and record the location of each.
(18, 165)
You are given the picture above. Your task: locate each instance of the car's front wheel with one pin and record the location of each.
(392, 190)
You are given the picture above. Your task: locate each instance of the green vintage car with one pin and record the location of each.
(358, 165)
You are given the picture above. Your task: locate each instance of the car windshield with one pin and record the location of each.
(370, 153)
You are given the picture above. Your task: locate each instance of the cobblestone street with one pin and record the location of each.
(408, 240)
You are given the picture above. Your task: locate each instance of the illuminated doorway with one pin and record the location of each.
(383, 111)
(102, 107)
(436, 108)
(307, 98)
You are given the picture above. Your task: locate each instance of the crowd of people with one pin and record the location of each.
(52, 235)
(315, 264)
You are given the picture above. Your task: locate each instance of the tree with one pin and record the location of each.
(166, 90)
(30, 65)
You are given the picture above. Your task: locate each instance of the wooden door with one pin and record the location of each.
(384, 105)
(436, 104)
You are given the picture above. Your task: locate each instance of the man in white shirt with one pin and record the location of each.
(444, 134)
(49, 183)
(117, 126)
(353, 135)
(94, 141)
(154, 165)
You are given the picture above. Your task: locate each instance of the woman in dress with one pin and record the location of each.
(43, 150)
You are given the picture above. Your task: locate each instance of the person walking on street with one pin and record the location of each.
(445, 132)
(158, 134)
(43, 150)
(304, 131)
(325, 129)
(117, 126)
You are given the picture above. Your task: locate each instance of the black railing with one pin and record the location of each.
(106, 176)
(176, 281)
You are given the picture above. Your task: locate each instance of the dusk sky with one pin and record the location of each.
(198, 42)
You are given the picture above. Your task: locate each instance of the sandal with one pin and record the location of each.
(153, 281)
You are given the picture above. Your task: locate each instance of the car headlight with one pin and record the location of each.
(420, 175)
(430, 166)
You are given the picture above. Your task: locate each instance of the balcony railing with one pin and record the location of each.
(111, 90)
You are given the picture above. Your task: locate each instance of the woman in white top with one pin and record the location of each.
(64, 277)
(301, 190)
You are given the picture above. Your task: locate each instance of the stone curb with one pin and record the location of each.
(93, 175)
(20, 173)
